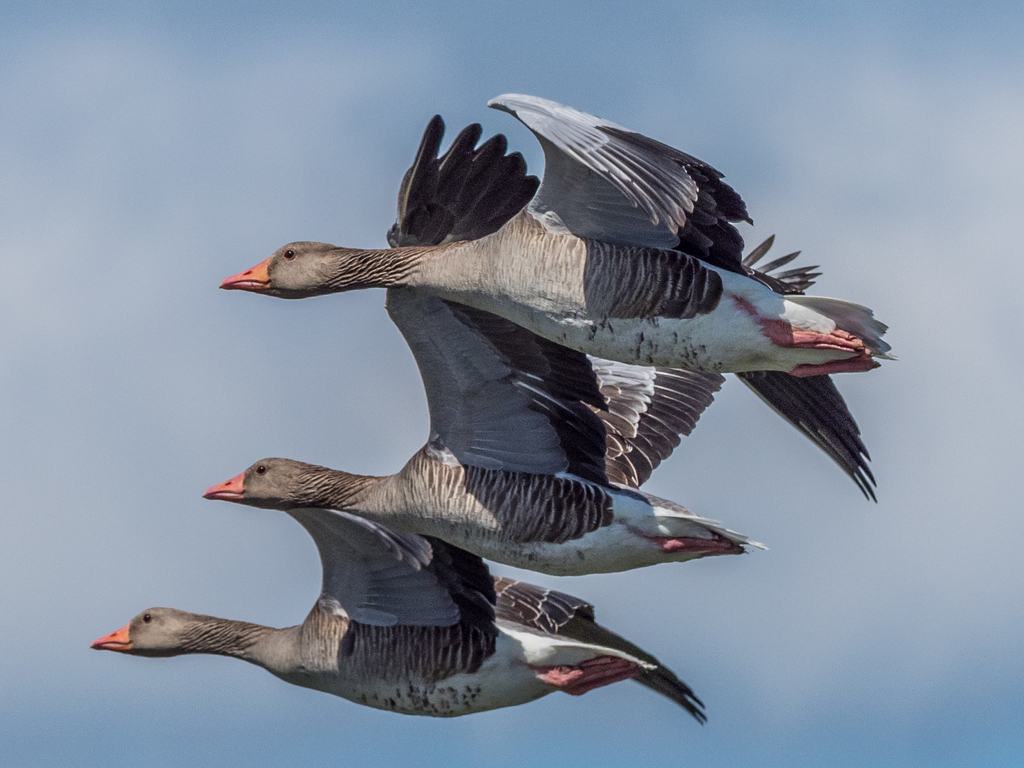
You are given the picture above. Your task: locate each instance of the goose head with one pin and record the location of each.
(154, 632)
(303, 269)
(281, 484)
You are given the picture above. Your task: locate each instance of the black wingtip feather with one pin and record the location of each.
(815, 407)
(467, 193)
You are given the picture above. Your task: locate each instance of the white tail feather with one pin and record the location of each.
(553, 650)
(675, 520)
(852, 318)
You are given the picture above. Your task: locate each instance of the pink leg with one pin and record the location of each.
(782, 334)
(716, 545)
(850, 365)
(577, 679)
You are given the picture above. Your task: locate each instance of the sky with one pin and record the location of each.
(148, 150)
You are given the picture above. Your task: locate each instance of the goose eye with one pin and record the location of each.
(146, 618)
(288, 255)
(261, 470)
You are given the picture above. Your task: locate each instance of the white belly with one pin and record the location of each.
(503, 680)
(627, 543)
(728, 339)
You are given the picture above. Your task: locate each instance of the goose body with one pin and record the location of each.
(415, 626)
(625, 251)
(565, 526)
(734, 324)
(406, 682)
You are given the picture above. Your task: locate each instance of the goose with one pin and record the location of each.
(626, 251)
(535, 456)
(412, 625)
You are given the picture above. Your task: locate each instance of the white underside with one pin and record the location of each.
(503, 680)
(533, 273)
(628, 542)
(728, 339)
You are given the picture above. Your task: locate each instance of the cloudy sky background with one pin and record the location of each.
(146, 153)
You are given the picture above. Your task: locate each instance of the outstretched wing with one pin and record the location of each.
(815, 407)
(648, 411)
(381, 577)
(501, 397)
(605, 182)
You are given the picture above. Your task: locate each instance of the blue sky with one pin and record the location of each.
(148, 151)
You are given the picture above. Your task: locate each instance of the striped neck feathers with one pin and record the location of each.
(356, 268)
(322, 488)
(314, 269)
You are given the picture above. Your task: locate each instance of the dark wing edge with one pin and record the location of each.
(465, 194)
(708, 232)
(792, 281)
(557, 613)
(561, 383)
(469, 582)
(378, 576)
(500, 397)
(815, 407)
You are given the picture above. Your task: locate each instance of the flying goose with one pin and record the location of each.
(535, 455)
(626, 251)
(412, 625)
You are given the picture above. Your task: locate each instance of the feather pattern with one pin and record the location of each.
(466, 194)
(624, 281)
(648, 411)
(790, 282)
(816, 408)
(499, 396)
(813, 404)
(377, 576)
(513, 508)
(605, 182)
(427, 654)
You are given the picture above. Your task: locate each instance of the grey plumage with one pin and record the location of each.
(706, 208)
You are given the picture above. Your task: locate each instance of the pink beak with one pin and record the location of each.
(255, 279)
(232, 490)
(115, 641)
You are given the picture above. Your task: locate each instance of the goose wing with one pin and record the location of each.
(556, 613)
(501, 397)
(382, 577)
(606, 182)
(468, 192)
(648, 410)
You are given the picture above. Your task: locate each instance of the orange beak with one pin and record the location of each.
(232, 490)
(115, 641)
(255, 279)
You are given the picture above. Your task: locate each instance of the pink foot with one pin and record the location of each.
(577, 679)
(782, 334)
(716, 545)
(850, 365)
